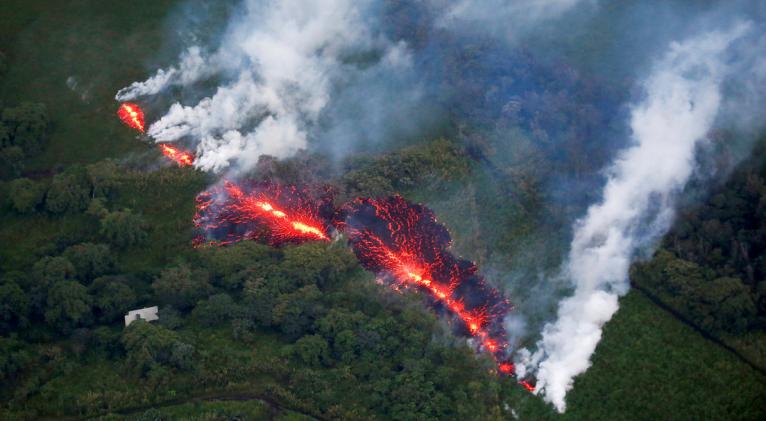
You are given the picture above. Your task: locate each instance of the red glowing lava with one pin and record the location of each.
(399, 241)
(527, 385)
(132, 115)
(182, 158)
(264, 211)
(404, 243)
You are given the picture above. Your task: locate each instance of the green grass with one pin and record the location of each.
(26, 238)
(213, 410)
(103, 46)
(650, 366)
(165, 198)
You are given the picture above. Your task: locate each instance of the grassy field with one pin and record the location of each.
(214, 410)
(73, 56)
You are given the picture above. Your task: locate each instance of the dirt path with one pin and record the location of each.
(275, 408)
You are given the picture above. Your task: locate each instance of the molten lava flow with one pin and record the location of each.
(132, 115)
(182, 158)
(399, 241)
(527, 385)
(263, 211)
(403, 242)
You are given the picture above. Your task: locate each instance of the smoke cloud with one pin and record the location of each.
(683, 96)
(192, 68)
(279, 64)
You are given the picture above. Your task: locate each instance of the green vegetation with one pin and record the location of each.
(302, 332)
(711, 267)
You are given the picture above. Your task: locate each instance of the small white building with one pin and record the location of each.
(148, 314)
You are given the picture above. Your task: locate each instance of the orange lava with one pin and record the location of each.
(527, 385)
(296, 226)
(413, 275)
(182, 158)
(132, 115)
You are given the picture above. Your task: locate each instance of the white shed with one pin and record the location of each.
(148, 314)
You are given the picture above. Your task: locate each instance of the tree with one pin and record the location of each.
(716, 305)
(215, 310)
(69, 192)
(113, 297)
(728, 306)
(170, 318)
(68, 305)
(50, 270)
(231, 266)
(181, 286)
(14, 356)
(123, 228)
(6, 136)
(11, 160)
(317, 264)
(107, 340)
(97, 208)
(312, 350)
(259, 301)
(25, 195)
(346, 346)
(90, 260)
(150, 345)
(28, 124)
(103, 177)
(296, 312)
(14, 306)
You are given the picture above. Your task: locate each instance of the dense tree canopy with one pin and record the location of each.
(14, 306)
(112, 298)
(123, 228)
(68, 305)
(151, 346)
(11, 160)
(182, 286)
(68, 192)
(90, 260)
(27, 125)
(712, 264)
(25, 195)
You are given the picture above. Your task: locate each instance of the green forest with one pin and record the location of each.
(303, 332)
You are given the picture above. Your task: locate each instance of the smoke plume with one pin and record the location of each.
(683, 96)
(277, 68)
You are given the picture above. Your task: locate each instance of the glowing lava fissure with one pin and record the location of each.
(268, 212)
(132, 115)
(399, 241)
(403, 243)
(180, 157)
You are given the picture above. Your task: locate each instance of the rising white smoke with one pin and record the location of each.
(280, 63)
(191, 69)
(683, 96)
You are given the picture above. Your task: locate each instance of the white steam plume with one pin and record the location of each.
(191, 69)
(683, 96)
(279, 62)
